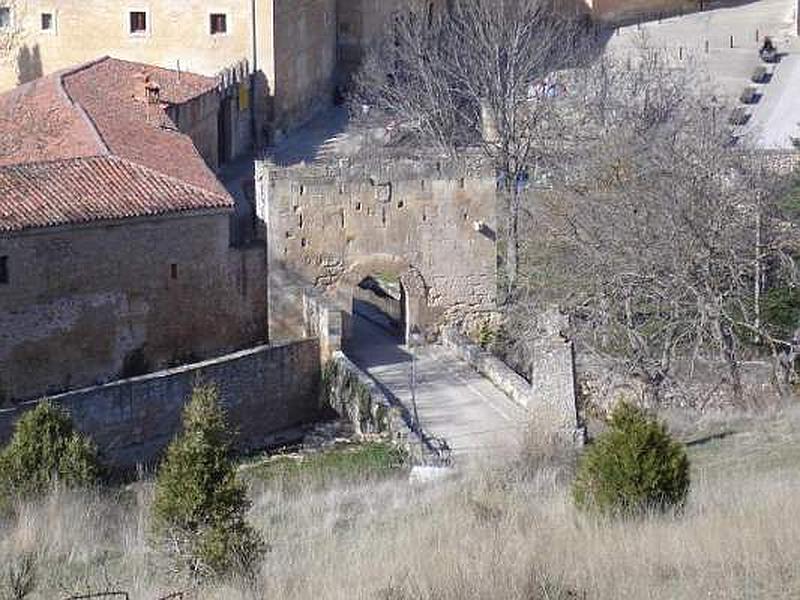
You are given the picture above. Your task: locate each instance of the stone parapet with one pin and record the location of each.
(356, 397)
(550, 398)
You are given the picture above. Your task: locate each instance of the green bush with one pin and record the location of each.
(781, 311)
(634, 467)
(45, 448)
(199, 506)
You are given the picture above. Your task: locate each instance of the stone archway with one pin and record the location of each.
(414, 291)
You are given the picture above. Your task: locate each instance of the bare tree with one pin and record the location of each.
(474, 76)
(668, 231)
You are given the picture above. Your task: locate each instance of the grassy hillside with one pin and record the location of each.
(505, 531)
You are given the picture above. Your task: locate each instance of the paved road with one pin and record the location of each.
(776, 117)
(727, 70)
(453, 401)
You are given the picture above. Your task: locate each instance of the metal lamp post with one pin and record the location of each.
(415, 339)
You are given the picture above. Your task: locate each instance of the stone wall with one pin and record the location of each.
(360, 23)
(90, 304)
(198, 119)
(622, 10)
(550, 397)
(323, 322)
(305, 59)
(352, 394)
(434, 228)
(266, 391)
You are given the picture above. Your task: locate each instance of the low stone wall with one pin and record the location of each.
(550, 398)
(352, 394)
(266, 391)
(323, 322)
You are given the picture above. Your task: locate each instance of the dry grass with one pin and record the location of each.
(507, 532)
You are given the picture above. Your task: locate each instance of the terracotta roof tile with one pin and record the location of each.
(82, 190)
(38, 122)
(101, 109)
(113, 94)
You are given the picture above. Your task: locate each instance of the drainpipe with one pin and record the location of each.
(253, 70)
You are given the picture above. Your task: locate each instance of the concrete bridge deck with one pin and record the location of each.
(453, 401)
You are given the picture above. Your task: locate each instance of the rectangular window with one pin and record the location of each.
(5, 17)
(3, 270)
(138, 21)
(219, 23)
(48, 24)
(173, 271)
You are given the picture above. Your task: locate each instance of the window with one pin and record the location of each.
(3, 269)
(5, 17)
(48, 23)
(173, 271)
(219, 23)
(138, 21)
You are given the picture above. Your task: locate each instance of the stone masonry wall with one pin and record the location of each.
(89, 304)
(330, 228)
(265, 390)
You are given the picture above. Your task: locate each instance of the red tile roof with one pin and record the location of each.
(95, 110)
(81, 190)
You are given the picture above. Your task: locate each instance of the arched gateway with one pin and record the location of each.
(416, 244)
(384, 287)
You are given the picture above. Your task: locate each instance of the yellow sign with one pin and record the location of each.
(244, 97)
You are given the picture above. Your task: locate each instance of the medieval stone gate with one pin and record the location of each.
(431, 226)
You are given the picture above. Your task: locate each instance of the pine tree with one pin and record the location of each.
(634, 467)
(46, 448)
(199, 506)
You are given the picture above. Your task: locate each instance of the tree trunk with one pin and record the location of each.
(728, 355)
(512, 251)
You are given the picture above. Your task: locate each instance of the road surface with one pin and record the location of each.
(453, 401)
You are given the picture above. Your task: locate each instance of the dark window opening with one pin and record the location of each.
(219, 23)
(138, 22)
(3, 269)
(47, 21)
(173, 271)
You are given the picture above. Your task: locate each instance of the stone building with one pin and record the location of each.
(117, 251)
(290, 44)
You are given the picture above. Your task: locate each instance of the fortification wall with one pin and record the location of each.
(304, 55)
(331, 227)
(265, 390)
(616, 10)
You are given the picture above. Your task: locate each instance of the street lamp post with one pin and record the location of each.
(415, 339)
